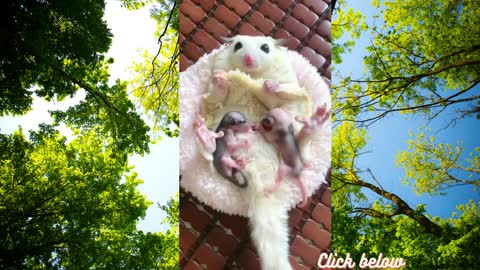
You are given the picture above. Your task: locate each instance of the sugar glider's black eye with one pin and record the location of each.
(238, 46)
(265, 48)
(267, 123)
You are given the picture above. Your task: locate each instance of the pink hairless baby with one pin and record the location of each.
(225, 143)
(277, 129)
(205, 137)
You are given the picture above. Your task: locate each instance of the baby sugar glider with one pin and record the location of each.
(260, 58)
(223, 157)
(277, 129)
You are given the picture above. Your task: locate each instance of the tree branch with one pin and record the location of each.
(403, 208)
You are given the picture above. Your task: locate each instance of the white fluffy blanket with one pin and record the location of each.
(198, 175)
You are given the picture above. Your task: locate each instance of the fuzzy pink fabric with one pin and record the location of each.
(198, 175)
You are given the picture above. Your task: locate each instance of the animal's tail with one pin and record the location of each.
(239, 178)
(269, 222)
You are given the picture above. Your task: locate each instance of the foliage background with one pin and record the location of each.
(74, 201)
(405, 157)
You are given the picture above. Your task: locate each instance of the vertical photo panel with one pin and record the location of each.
(255, 139)
(405, 149)
(89, 134)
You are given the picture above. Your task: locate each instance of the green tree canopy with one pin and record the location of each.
(432, 167)
(423, 59)
(74, 205)
(41, 41)
(54, 48)
(60, 199)
(155, 86)
(71, 204)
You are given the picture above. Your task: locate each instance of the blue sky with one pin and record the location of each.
(133, 32)
(390, 135)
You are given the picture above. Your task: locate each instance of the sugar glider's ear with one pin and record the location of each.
(227, 39)
(280, 42)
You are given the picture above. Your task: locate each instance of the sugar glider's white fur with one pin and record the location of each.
(273, 66)
(269, 228)
(267, 212)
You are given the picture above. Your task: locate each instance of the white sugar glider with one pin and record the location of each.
(266, 62)
(260, 66)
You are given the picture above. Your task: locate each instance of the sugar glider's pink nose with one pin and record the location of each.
(249, 61)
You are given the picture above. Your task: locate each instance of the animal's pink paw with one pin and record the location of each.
(307, 166)
(303, 203)
(320, 116)
(219, 79)
(238, 145)
(273, 188)
(205, 136)
(241, 163)
(199, 121)
(271, 86)
(306, 123)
